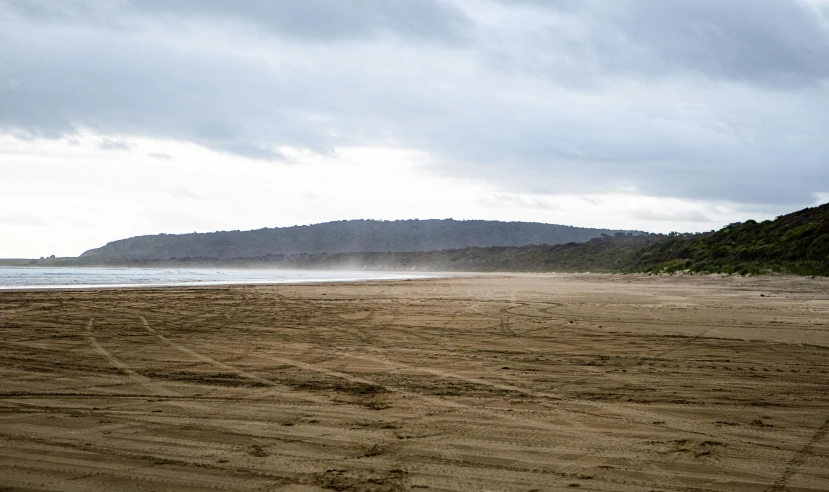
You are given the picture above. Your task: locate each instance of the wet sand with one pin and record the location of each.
(499, 382)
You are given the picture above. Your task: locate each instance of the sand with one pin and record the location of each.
(499, 382)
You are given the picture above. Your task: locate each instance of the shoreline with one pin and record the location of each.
(305, 277)
(691, 277)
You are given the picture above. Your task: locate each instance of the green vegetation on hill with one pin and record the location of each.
(795, 243)
(343, 237)
(605, 254)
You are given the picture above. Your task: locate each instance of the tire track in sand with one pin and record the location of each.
(228, 367)
(443, 402)
(123, 366)
(448, 453)
(564, 417)
(144, 381)
(799, 459)
(357, 379)
(209, 360)
(416, 404)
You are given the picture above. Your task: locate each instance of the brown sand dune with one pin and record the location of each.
(501, 382)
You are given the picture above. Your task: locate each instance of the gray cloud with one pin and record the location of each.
(327, 20)
(773, 42)
(22, 220)
(688, 216)
(688, 98)
(115, 144)
(500, 200)
(307, 20)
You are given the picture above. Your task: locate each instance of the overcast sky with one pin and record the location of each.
(129, 117)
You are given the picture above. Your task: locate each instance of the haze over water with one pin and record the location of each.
(68, 278)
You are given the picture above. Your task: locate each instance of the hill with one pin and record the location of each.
(342, 237)
(605, 254)
(795, 243)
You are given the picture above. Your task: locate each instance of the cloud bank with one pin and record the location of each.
(690, 99)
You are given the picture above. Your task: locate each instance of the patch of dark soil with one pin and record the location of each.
(257, 451)
(228, 379)
(347, 387)
(343, 480)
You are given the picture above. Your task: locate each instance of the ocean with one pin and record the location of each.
(74, 278)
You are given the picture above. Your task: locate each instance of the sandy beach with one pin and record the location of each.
(494, 382)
